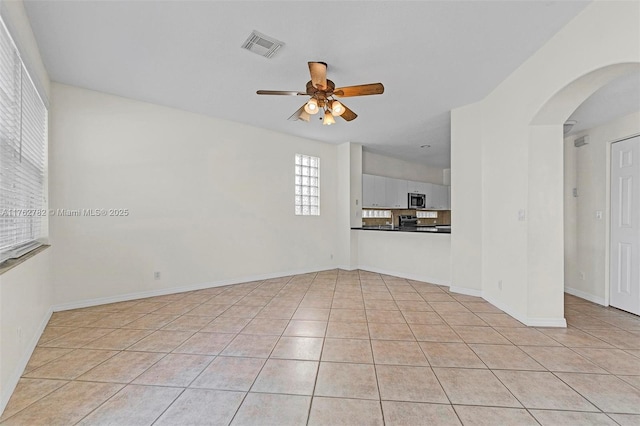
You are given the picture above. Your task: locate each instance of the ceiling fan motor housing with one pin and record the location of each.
(312, 91)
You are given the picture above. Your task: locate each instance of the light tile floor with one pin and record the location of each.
(332, 348)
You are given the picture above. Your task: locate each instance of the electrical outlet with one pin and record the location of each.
(500, 284)
(156, 275)
(583, 276)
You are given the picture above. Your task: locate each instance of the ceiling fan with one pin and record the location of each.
(323, 93)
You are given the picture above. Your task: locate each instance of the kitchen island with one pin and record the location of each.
(422, 255)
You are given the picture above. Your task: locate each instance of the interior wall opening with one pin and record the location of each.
(610, 114)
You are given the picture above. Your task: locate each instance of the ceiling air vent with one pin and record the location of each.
(262, 45)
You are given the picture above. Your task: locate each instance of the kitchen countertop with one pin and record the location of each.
(440, 229)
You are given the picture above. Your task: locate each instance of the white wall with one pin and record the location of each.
(586, 236)
(26, 291)
(466, 200)
(26, 297)
(349, 202)
(381, 165)
(570, 213)
(519, 129)
(210, 201)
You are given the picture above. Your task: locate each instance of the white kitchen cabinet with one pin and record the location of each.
(428, 192)
(390, 193)
(380, 191)
(417, 187)
(440, 197)
(368, 190)
(396, 194)
(374, 191)
(402, 194)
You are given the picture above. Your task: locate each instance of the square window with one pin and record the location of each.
(307, 185)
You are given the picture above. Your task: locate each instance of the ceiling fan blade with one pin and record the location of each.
(362, 90)
(280, 92)
(348, 114)
(318, 71)
(296, 115)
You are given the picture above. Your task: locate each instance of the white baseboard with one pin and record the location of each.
(528, 321)
(347, 267)
(400, 274)
(467, 291)
(587, 296)
(22, 364)
(546, 322)
(171, 290)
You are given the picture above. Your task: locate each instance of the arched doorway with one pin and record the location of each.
(507, 169)
(610, 115)
(546, 136)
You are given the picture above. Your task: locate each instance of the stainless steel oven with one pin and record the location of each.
(417, 201)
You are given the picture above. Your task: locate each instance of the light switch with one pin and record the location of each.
(599, 214)
(522, 215)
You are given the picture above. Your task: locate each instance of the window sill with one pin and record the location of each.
(12, 263)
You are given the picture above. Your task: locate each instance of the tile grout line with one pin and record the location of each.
(265, 362)
(324, 339)
(123, 350)
(247, 290)
(373, 356)
(128, 383)
(434, 373)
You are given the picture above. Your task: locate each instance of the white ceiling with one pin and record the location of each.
(431, 56)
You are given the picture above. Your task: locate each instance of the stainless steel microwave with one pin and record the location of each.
(417, 201)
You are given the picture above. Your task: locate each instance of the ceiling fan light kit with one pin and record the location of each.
(304, 116)
(312, 106)
(328, 119)
(336, 108)
(322, 92)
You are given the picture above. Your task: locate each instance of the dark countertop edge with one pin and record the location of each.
(412, 230)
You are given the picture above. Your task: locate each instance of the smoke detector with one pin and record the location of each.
(261, 44)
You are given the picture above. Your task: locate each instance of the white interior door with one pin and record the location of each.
(625, 225)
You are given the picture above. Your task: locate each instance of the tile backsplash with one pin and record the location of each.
(443, 217)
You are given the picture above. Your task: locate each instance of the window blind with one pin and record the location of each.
(23, 137)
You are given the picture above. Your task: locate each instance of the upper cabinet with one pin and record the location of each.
(417, 187)
(374, 191)
(368, 190)
(439, 198)
(383, 192)
(396, 196)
